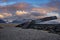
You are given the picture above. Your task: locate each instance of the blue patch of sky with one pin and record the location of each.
(6, 3)
(32, 2)
(35, 1)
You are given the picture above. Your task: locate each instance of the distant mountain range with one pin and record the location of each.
(16, 21)
(21, 21)
(2, 21)
(51, 22)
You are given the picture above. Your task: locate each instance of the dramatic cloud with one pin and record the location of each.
(29, 15)
(20, 13)
(4, 0)
(20, 9)
(35, 13)
(15, 7)
(54, 3)
(7, 14)
(44, 10)
(21, 6)
(1, 16)
(53, 14)
(4, 15)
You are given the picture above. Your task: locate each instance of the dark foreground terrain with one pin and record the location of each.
(12, 33)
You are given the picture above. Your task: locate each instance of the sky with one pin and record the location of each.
(33, 2)
(29, 9)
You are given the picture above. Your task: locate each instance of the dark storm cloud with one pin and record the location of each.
(54, 3)
(36, 14)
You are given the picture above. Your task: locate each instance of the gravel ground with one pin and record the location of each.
(12, 33)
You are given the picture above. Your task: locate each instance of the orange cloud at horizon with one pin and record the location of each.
(44, 10)
(5, 15)
(1, 16)
(20, 13)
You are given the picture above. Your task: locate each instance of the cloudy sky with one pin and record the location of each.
(20, 9)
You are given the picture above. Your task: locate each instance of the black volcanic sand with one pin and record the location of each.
(12, 33)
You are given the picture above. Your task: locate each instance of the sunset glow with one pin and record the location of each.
(1, 16)
(16, 9)
(19, 13)
(7, 14)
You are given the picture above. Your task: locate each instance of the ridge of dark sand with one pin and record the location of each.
(12, 33)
